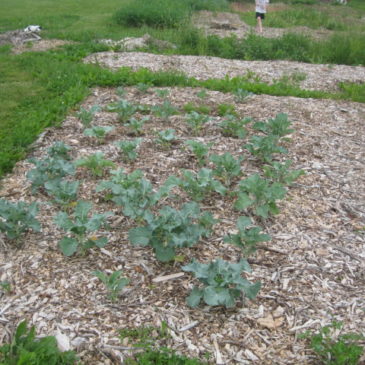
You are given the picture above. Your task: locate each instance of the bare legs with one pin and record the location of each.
(259, 25)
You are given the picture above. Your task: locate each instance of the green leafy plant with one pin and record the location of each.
(223, 283)
(200, 150)
(226, 109)
(280, 172)
(335, 348)
(226, 166)
(5, 286)
(26, 349)
(128, 149)
(234, 127)
(169, 230)
(246, 238)
(120, 91)
(86, 115)
(263, 147)
(142, 87)
(166, 137)
(260, 194)
(241, 95)
(124, 108)
(202, 94)
(162, 93)
(196, 121)
(113, 282)
(98, 132)
(80, 226)
(133, 193)
(48, 169)
(136, 125)
(279, 126)
(16, 218)
(96, 163)
(59, 150)
(203, 109)
(63, 192)
(165, 110)
(199, 185)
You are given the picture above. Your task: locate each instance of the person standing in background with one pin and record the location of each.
(260, 13)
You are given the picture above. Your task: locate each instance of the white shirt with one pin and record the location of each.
(261, 6)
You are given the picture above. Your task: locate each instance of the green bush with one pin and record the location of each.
(153, 13)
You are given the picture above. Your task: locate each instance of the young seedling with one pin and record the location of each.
(114, 283)
(334, 348)
(199, 185)
(226, 167)
(226, 109)
(202, 94)
(164, 111)
(59, 150)
(5, 287)
(169, 230)
(136, 126)
(17, 218)
(241, 95)
(120, 91)
(200, 150)
(98, 132)
(234, 127)
(263, 147)
(223, 283)
(279, 126)
(96, 163)
(196, 122)
(162, 93)
(260, 194)
(86, 115)
(79, 227)
(280, 172)
(48, 169)
(124, 109)
(166, 137)
(128, 149)
(63, 192)
(203, 109)
(143, 88)
(246, 238)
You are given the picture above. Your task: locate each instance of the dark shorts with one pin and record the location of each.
(260, 15)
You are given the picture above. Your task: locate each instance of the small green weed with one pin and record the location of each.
(113, 282)
(96, 163)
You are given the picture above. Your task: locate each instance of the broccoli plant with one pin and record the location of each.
(124, 109)
(86, 116)
(196, 121)
(199, 185)
(171, 229)
(80, 227)
(260, 194)
(166, 137)
(128, 149)
(113, 282)
(263, 147)
(242, 95)
(142, 87)
(48, 169)
(133, 193)
(164, 111)
(96, 163)
(16, 218)
(280, 172)
(234, 127)
(246, 238)
(279, 126)
(63, 192)
(223, 283)
(200, 150)
(98, 132)
(59, 150)
(226, 167)
(136, 125)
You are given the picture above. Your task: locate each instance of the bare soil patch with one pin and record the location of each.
(312, 270)
(308, 76)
